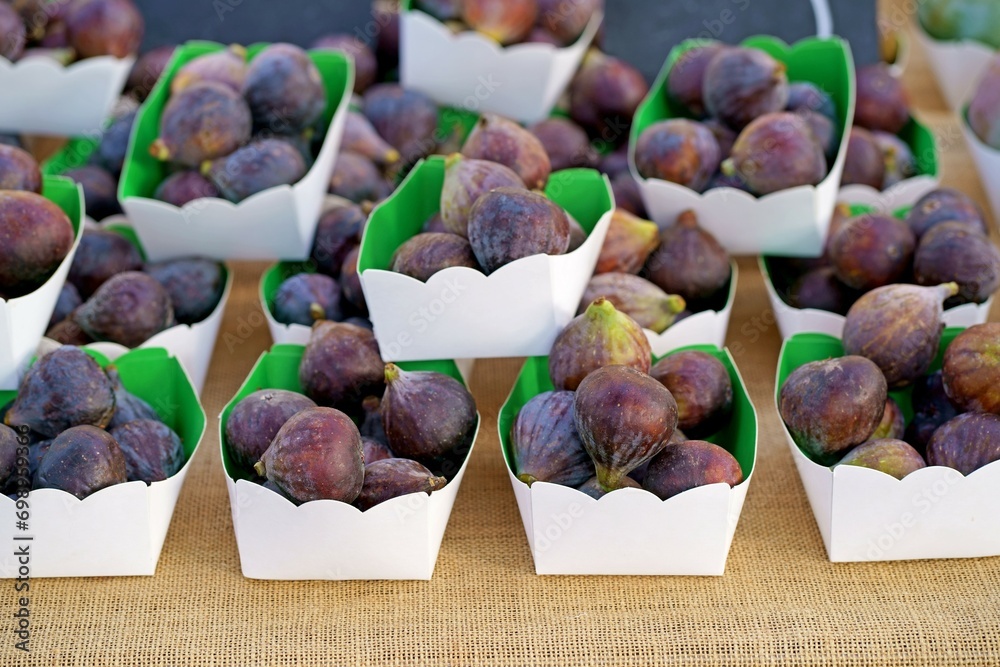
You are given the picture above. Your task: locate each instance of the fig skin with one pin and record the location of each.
(365, 64)
(931, 409)
(12, 33)
(101, 255)
(820, 289)
(361, 138)
(593, 488)
(104, 28)
(316, 455)
(893, 424)
(566, 21)
(81, 461)
(742, 84)
(776, 152)
(577, 234)
(338, 231)
(428, 417)
(971, 370)
(128, 309)
(371, 423)
(227, 67)
(184, 187)
(424, 255)
(686, 81)
(391, 478)
(945, 205)
(500, 140)
(146, 71)
(506, 21)
(900, 164)
(627, 195)
(375, 450)
(357, 179)
(258, 166)
(872, 250)
(8, 453)
(689, 262)
(644, 302)
(566, 144)
(984, 109)
(544, 443)
(203, 122)
(284, 89)
(953, 252)
(195, 286)
(467, 180)
(824, 131)
(864, 163)
(19, 170)
(307, 297)
(832, 406)
(701, 387)
(881, 101)
(100, 190)
(152, 451)
(351, 290)
(891, 456)
(341, 366)
(406, 119)
(68, 332)
(624, 418)
(680, 151)
(68, 301)
(257, 418)
(690, 464)
(35, 237)
(110, 153)
(724, 135)
(507, 224)
(602, 336)
(806, 96)
(128, 406)
(966, 443)
(604, 96)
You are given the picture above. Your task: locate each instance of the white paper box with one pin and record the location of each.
(988, 163)
(904, 193)
(472, 71)
(708, 327)
(957, 65)
(41, 96)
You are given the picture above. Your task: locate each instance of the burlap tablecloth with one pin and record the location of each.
(780, 602)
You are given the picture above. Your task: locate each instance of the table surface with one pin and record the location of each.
(779, 602)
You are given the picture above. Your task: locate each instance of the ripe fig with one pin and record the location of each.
(36, 235)
(257, 418)
(545, 446)
(128, 406)
(966, 443)
(351, 289)
(723, 134)
(153, 452)
(701, 387)
(371, 424)
(110, 153)
(407, 119)
(424, 255)
(465, 181)
(820, 289)
(37, 452)
(202, 122)
(316, 455)
(893, 424)
(615, 163)
(374, 450)
(500, 140)
(593, 487)
(146, 71)
(338, 231)
(776, 152)
(362, 139)
(807, 96)
(507, 224)
(627, 195)
(195, 286)
(227, 67)
(8, 453)
(307, 297)
(68, 332)
(19, 170)
(104, 28)
(644, 302)
(566, 144)
(900, 164)
(690, 464)
(741, 84)
(881, 101)
(686, 81)
(577, 234)
(341, 366)
(680, 151)
(899, 328)
(391, 478)
(689, 262)
(434, 224)
(566, 20)
(365, 64)
(945, 205)
(984, 109)
(80, 461)
(506, 21)
(100, 190)
(871, 251)
(284, 89)
(624, 418)
(258, 166)
(128, 309)
(183, 187)
(832, 406)
(604, 96)
(68, 301)
(824, 131)
(971, 370)
(427, 416)
(358, 179)
(891, 456)
(931, 409)
(954, 252)
(101, 255)
(12, 33)
(865, 162)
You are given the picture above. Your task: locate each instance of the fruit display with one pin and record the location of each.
(523, 21)
(977, 20)
(37, 236)
(984, 109)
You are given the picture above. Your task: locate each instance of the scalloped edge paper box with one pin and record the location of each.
(791, 222)
(516, 311)
(631, 531)
(987, 161)
(708, 327)
(957, 65)
(119, 530)
(278, 223)
(327, 539)
(866, 515)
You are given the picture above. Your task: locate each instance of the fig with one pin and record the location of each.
(931, 409)
(227, 67)
(984, 109)
(365, 63)
(19, 170)
(374, 450)
(81, 461)
(565, 143)
(362, 139)
(128, 309)
(258, 166)
(945, 205)
(36, 235)
(186, 186)
(627, 195)
(202, 122)
(954, 252)
(407, 119)
(358, 179)
(284, 89)
(690, 464)
(36, 453)
(680, 151)
(316, 455)
(615, 163)
(701, 387)
(872, 250)
(689, 262)
(338, 231)
(601, 337)
(721, 180)
(899, 328)
(391, 478)
(341, 366)
(577, 234)
(741, 84)
(128, 406)
(110, 153)
(593, 487)
(256, 420)
(966, 443)
(644, 302)
(104, 28)
(100, 190)
(68, 332)
(807, 96)
(776, 152)
(865, 162)
(566, 20)
(146, 71)
(639, 474)
(824, 131)
(881, 101)
(351, 289)
(152, 451)
(500, 140)
(68, 301)
(507, 224)
(724, 136)
(101, 255)
(427, 416)
(820, 289)
(893, 424)
(624, 418)
(604, 96)
(8, 453)
(891, 456)
(900, 164)
(544, 444)
(465, 181)
(195, 286)
(12, 33)
(686, 81)
(971, 371)
(307, 297)
(434, 224)
(506, 21)
(424, 255)
(833, 405)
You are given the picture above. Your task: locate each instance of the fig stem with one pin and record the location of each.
(436, 484)
(948, 290)
(391, 372)
(674, 304)
(158, 149)
(316, 312)
(688, 219)
(452, 160)
(728, 167)
(527, 479)
(260, 469)
(608, 479)
(391, 156)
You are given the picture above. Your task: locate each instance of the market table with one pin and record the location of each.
(779, 602)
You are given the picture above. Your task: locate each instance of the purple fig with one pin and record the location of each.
(891, 456)
(258, 166)
(604, 96)
(101, 255)
(68, 301)
(776, 152)
(110, 153)
(639, 474)
(184, 187)
(307, 297)
(100, 190)
(153, 452)
(19, 170)
(566, 20)
(8, 453)
(893, 424)
(865, 162)
(358, 179)
(36, 235)
(971, 370)
(203, 122)
(195, 286)
(954, 252)
(146, 71)
(257, 418)
(500, 140)
(577, 234)
(365, 64)
(724, 136)
(12, 33)
(820, 289)
(391, 478)
(362, 139)
(872, 250)
(741, 84)
(966, 443)
(945, 205)
(374, 450)
(593, 487)
(900, 164)
(984, 109)
(227, 67)
(690, 464)
(627, 195)
(371, 424)
(80, 461)
(807, 96)
(434, 224)
(615, 163)
(341, 366)
(686, 81)
(424, 255)
(545, 446)
(689, 262)
(881, 101)
(68, 332)
(338, 231)
(701, 387)
(128, 309)
(507, 224)
(931, 409)
(465, 181)
(506, 21)
(824, 131)
(351, 289)
(104, 28)
(128, 406)
(284, 89)
(406, 119)
(680, 151)
(566, 144)
(644, 302)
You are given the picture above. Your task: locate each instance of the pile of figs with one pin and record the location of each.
(616, 420)
(69, 30)
(113, 295)
(739, 123)
(85, 431)
(233, 128)
(554, 22)
(362, 431)
(850, 410)
(977, 20)
(942, 239)
(100, 172)
(984, 110)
